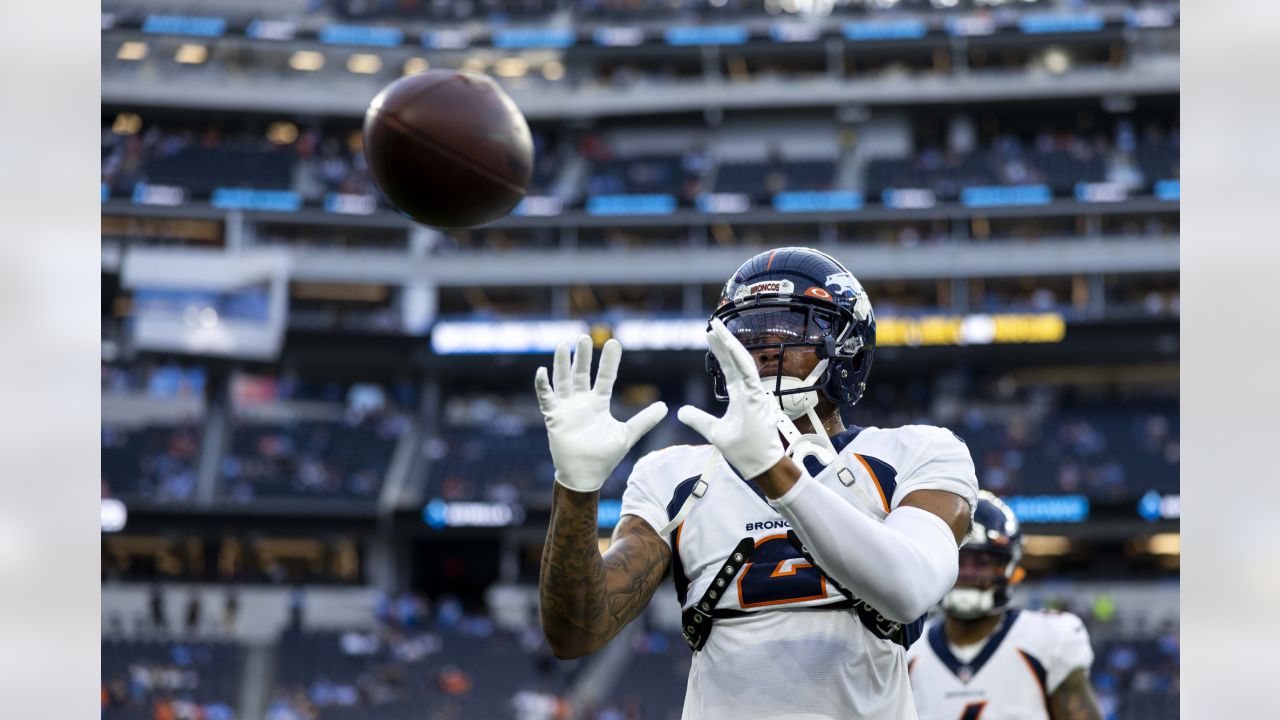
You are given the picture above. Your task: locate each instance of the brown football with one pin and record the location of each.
(448, 148)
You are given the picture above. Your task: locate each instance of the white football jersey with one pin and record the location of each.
(1012, 676)
(785, 656)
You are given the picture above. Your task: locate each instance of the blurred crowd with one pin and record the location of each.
(500, 11)
(434, 660)
(314, 162)
(320, 160)
(156, 462)
(164, 680)
(1025, 439)
(309, 159)
(311, 458)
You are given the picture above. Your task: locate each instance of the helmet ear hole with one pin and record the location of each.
(857, 360)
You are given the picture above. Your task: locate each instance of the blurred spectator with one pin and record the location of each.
(193, 613)
(156, 603)
(454, 681)
(297, 607)
(230, 610)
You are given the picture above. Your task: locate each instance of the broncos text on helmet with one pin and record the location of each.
(988, 562)
(797, 297)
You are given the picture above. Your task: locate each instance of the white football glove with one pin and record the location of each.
(747, 435)
(587, 443)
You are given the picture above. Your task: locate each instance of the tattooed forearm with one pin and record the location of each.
(586, 599)
(1074, 699)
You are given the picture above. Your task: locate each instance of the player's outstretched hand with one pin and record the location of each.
(747, 435)
(587, 443)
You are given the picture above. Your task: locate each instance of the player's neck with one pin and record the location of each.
(968, 632)
(832, 424)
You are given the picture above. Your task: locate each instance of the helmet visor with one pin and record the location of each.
(757, 327)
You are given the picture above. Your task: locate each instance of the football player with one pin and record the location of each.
(804, 553)
(985, 660)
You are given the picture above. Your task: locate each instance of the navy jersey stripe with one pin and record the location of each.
(678, 576)
(885, 473)
(1037, 668)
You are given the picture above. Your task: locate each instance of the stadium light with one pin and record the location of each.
(190, 54)
(511, 67)
(364, 63)
(282, 133)
(132, 50)
(114, 515)
(1057, 60)
(208, 317)
(415, 65)
(553, 70)
(306, 60)
(1042, 545)
(126, 124)
(1165, 544)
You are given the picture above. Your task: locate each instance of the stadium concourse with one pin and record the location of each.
(325, 478)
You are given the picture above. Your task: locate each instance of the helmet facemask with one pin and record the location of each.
(983, 586)
(770, 321)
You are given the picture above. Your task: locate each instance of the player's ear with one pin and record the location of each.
(1019, 574)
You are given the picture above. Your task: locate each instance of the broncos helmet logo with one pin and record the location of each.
(844, 284)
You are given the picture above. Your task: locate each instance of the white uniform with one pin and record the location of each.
(785, 656)
(1011, 675)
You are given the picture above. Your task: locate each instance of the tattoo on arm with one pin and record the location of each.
(1074, 699)
(587, 598)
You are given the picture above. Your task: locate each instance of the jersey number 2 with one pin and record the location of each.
(776, 576)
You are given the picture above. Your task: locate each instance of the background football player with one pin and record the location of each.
(984, 660)
(812, 549)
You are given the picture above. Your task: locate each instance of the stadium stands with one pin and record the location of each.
(673, 175)
(1138, 678)
(1107, 453)
(154, 463)
(319, 459)
(656, 673)
(1110, 452)
(443, 10)
(461, 666)
(1010, 162)
(314, 161)
(498, 11)
(148, 679)
(761, 179)
(200, 158)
